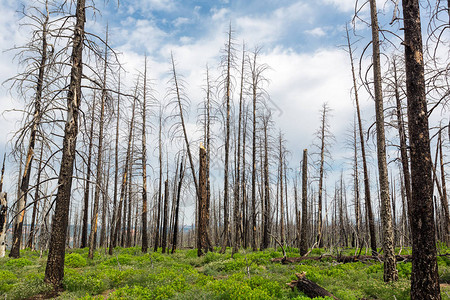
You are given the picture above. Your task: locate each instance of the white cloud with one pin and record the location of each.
(317, 32)
(181, 21)
(342, 5)
(270, 27)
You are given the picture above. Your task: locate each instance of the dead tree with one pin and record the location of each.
(424, 276)
(177, 209)
(237, 188)
(367, 198)
(324, 136)
(25, 180)
(144, 246)
(118, 218)
(88, 178)
(202, 245)
(54, 271)
(444, 201)
(228, 62)
(116, 169)
(165, 216)
(390, 271)
(98, 185)
(304, 233)
(3, 222)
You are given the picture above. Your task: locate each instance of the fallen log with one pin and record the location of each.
(308, 287)
(341, 259)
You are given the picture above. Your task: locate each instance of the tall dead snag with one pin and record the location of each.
(229, 63)
(324, 135)
(402, 136)
(424, 276)
(25, 180)
(179, 98)
(54, 271)
(144, 164)
(280, 168)
(390, 271)
(237, 188)
(159, 199)
(3, 223)
(202, 244)
(117, 222)
(257, 92)
(98, 185)
(304, 233)
(88, 178)
(367, 199)
(266, 215)
(116, 170)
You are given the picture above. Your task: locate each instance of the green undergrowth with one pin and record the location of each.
(130, 274)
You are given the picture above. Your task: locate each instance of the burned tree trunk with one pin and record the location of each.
(3, 223)
(201, 223)
(25, 180)
(424, 276)
(54, 271)
(177, 209)
(304, 233)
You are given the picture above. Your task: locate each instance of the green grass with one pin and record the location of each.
(129, 274)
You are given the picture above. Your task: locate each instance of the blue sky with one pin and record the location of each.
(299, 41)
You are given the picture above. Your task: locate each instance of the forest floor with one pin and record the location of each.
(129, 274)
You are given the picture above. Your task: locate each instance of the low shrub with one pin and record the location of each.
(74, 260)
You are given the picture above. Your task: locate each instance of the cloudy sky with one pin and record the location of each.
(300, 41)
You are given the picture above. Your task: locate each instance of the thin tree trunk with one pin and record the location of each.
(144, 165)
(118, 219)
(30, 243)
(116, 175)
(88, 178)
(226, 221)
(370, 223)
(165, 218)
(94, 224)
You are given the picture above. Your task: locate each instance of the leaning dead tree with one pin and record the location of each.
(367, 198)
